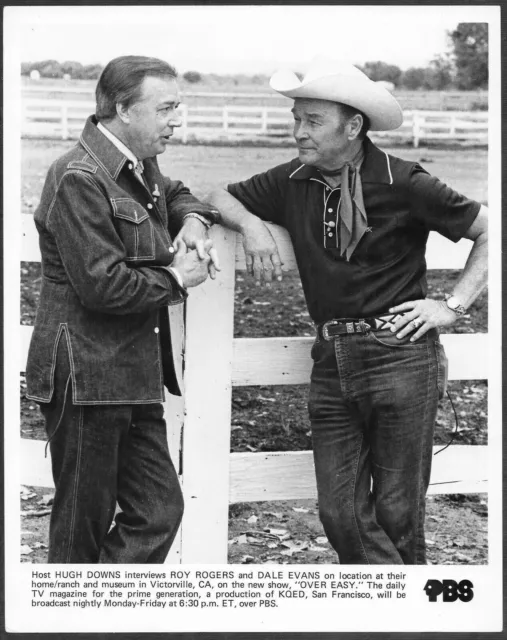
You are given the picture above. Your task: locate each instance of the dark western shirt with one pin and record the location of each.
(106, 242)
(403, 204)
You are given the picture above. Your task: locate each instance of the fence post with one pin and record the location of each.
(452, 132)
(416, 129)
(24, 118)
(184, 123)
(65, 121)
(264, 120)
(174, 412)
(206, 433)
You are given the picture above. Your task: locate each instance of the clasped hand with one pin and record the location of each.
(422, 315)
(195, 257)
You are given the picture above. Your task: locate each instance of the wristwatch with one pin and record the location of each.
(207, 223)
(455, 305)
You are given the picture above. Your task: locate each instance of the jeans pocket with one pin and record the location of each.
(387, 338)
(442, 369)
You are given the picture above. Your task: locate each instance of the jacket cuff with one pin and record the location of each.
(179, 291)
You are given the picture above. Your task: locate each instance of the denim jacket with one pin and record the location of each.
(105, 243)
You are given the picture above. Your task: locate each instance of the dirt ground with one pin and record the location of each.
(274, 418)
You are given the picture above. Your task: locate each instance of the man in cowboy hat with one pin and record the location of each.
(359, 221)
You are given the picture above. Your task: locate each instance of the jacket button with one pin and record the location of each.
(156, 329)
(330, 210)
(171, 249)
(131, 166)
(149, 205)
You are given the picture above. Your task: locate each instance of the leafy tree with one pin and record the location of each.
(50, 69)
(438, 75)
(260, 79)
(469, 42)
(382, 71)
(74, 69)
(91, 71)
(192, 76)
(26, 67)
(414, 78)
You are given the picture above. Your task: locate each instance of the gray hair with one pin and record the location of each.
(349, 112)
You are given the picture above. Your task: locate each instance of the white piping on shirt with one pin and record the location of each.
(389, 167)
(326, 200)
(324, 183)
(294, 172)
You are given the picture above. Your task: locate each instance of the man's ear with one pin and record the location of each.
(123, 112)
(355, 125)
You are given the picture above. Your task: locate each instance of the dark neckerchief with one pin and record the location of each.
(351, 212)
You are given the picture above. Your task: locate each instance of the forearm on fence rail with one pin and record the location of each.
(232, 214)
(262, 258)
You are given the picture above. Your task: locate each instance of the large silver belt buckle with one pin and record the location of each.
(350, 327)
(325, 328)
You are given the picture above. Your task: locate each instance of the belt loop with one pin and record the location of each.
(366, 328)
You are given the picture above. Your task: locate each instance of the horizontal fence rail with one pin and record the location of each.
(435, 100)
(199, 425)
(65, 119)
(257, 477)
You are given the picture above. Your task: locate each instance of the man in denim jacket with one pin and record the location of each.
(101, 351)
(359, 220)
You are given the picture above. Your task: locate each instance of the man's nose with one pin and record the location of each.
(175, 120)
(300, 133)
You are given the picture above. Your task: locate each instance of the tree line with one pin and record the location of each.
(463, 67)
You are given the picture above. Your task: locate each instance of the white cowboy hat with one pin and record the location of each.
(328, 79)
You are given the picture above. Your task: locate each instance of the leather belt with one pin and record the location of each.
(344, 326)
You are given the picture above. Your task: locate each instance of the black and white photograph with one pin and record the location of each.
(257, 319)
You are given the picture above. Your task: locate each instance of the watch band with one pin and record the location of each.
(458, 309)
(207, 223)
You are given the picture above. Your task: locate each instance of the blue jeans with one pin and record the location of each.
(373, 402)
(104, 455)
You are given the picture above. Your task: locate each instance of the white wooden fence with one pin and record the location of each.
(434, 100)
(65, 119)
(199, 434)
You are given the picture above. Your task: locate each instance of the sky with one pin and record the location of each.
(236, 39)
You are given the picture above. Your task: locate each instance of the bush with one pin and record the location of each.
(192, 77)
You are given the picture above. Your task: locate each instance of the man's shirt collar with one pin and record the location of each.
(106, 154)
(375, 167)
(118, 143)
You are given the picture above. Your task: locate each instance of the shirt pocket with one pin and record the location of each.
(135, 229)
(381, 244)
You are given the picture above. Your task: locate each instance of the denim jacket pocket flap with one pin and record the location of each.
(129, 210)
